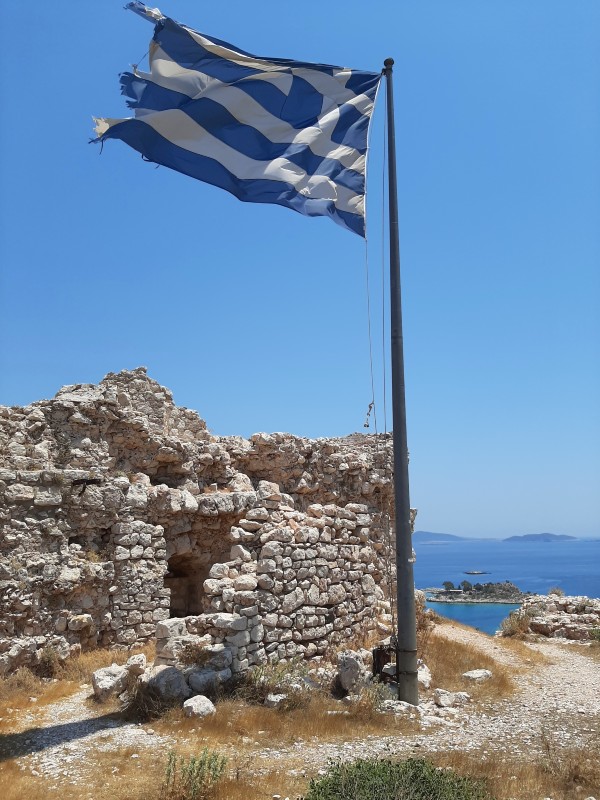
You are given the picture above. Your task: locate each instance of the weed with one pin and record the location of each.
(21, 683)
(192, 778)
(425, 620)
(366, 707)
(49, 663)
(415, 779)
(517, 622)
(571, 767)
(81, 667)
(556, 590)
(595, 634)
(194, 655)
(143, 703)
(287, 677)
(19, 686)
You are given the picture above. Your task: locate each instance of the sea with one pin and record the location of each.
(572, 565)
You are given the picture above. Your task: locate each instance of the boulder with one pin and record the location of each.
(351, 671)
(205, 680)
(108, 681)
(168, 628)
(80, 621)
(424, 676)
(445, 699)
(168, 682)
(477, 675)
(136, 665)
(398, 707)
(228, 622)
(274, 700)
(169, 651)
(198, 706)
(218, 657)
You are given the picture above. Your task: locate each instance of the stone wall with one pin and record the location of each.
(120, 510)
(563, 617)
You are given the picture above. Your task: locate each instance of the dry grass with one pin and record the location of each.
(112, 776)
(246, 730)
(323, 719)
(557, 773)
(247, 787)
(81, 667)
(17, 689)
(517, 623)
(530, 656)
(24, 690)
(591, 651)
(449, 658)
(117, 776)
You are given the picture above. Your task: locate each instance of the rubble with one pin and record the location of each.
(562, 617)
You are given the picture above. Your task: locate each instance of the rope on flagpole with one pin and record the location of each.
(372, 406)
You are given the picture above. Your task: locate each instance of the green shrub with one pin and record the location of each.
(415, 779)
(595, 635)
(192, 778)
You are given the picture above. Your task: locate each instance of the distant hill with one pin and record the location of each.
(539, 537)
(425, 537)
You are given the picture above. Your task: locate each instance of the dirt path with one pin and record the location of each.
(560, 696)
(52, 741)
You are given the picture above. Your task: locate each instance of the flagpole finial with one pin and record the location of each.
(388, 63)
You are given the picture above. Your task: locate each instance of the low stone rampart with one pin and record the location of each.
(563, 617)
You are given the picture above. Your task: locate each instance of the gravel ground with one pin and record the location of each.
(561, 696)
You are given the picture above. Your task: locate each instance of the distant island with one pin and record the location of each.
(428, 537)
(540, 537)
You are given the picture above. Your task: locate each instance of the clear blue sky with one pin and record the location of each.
(256, 316)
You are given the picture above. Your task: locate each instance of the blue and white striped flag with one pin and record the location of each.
(268, 130)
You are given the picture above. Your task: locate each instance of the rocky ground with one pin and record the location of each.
(560, 696)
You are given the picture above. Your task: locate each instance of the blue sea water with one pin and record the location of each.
(573, 565)
(485, 617)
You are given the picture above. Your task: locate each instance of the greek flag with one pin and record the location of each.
(268, 130)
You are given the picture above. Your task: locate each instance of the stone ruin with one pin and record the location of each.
(120, 512)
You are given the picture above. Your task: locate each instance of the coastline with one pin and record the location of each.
(436, 594)
(471, 601)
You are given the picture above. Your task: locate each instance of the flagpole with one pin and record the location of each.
(406, 638)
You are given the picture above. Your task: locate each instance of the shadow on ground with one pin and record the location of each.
(34, 740)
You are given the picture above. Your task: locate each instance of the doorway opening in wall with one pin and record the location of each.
(184, 578)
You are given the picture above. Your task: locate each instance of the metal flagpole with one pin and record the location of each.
(406, 644)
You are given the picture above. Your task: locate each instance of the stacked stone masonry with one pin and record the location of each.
(120, 511)
(575, 618)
